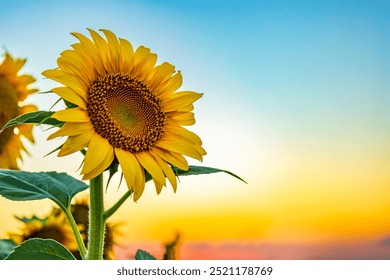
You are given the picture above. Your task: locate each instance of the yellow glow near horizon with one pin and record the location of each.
(297, 191)
(292, 196)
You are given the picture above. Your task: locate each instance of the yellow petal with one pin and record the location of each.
(26, 131)
(71, 96)
(139, 190)
(179, 142)
(103, 50)
(28, 109)
(25, 80)
(113, 49)
(173, 158)
(86, 42)
(149, 163)
(161, 74)
(127, 55)
(71, 129)
(173, 84)
(179, 146)
(180, 100)
(181, 118)
(166, 169)
(157, 185)
(67, 80)
(133, 172)
(178, 131)
(11, 65)
(89, 56)
(89, 50)
(100, 155)
(76, 143)
(71, 115)
(144, 62)
(71, 63)
(80, 60)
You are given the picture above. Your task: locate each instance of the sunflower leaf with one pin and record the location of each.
(22, 185)
(39, 117)
(40, 249)
(32, 219)
(143, 255)
(6, 247)
(197, 170)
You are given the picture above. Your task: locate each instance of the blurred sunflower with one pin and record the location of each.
(51, 227)
(172, 248)
(14, 89)
(127, 110)
(80, 213)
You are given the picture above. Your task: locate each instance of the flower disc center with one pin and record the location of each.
(125, 112)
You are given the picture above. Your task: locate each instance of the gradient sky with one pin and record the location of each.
(296, 102)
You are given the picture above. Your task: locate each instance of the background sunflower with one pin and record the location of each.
(14, 89)
(54, 227)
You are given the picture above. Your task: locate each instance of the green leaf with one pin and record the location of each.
(22, 185)
(6, 247)
(197, 170)
(40, 249)
(142, 255)
(32, 219)
(39, 117)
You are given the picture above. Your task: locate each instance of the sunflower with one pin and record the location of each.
(51, 227)
(127, 111)
(172, 248)
(13, 91)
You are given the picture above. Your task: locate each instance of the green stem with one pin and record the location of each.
(115, 207)
(96, 220)
(76, 232)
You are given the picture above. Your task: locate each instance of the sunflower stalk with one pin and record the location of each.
(96, 219)
(76, 232)
(118, 204)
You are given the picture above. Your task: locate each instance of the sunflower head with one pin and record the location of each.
(51, 227)
(14, 89)
(127, 110)
(172, 248)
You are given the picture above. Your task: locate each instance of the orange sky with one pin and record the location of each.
(290, 200)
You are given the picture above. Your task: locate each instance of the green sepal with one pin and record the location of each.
(112, 170)
(69, 104)
(40, 249)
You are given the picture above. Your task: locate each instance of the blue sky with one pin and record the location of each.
(262, 56)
